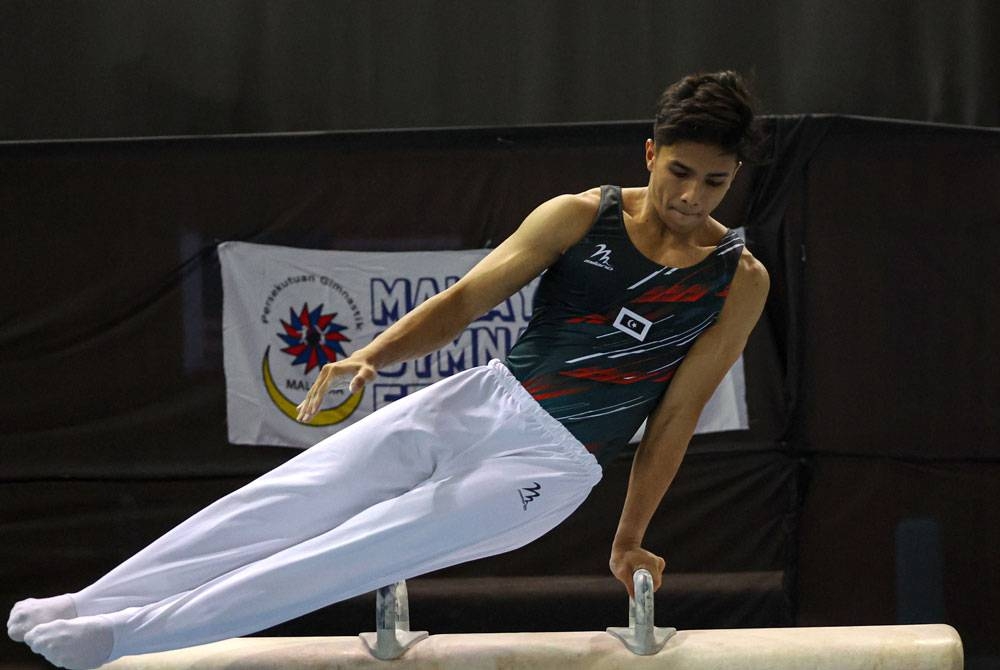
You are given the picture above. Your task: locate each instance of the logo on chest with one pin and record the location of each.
(632, 324)
(601, 257)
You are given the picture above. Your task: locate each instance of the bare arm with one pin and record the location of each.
(672, 423)
(537, 243)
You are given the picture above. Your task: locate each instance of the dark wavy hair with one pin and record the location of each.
(713, 108)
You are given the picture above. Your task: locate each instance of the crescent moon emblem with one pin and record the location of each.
(326, 417)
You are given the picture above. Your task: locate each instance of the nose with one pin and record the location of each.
(691, 194)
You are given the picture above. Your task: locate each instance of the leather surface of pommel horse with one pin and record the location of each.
(923, 647)
(640, 645)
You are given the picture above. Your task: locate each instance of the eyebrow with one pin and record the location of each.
(677, 163)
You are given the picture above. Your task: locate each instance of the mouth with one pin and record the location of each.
(683, 213)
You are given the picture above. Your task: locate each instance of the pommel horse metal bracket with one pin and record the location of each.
(642, 637)
(392, 636)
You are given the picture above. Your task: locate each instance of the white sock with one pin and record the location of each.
(29, 613)
(77, 644)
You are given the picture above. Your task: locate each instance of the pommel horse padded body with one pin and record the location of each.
(924, 647)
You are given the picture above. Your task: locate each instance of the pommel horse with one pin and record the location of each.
(640, 645)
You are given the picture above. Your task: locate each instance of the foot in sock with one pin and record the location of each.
(29, 613)
(77, 644)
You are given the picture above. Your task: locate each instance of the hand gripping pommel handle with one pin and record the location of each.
(392, 634)
(642, 637)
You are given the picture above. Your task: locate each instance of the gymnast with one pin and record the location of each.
(645, 303)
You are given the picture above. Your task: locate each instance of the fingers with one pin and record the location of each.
(309, 407)
(625, 566)
(364, 376)
(312, 403)
(658, 572)
(626, 580)
(629, 583)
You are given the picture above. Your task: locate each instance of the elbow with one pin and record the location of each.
(678, 419)
(684, 407)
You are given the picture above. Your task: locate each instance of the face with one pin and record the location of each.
(687, 181)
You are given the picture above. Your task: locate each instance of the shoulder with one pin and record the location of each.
(576, 205)
(751, 274)
(564, 219)
(747, 294)
(583, 204)
(545, 234)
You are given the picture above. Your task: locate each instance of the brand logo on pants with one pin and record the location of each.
(529, 493)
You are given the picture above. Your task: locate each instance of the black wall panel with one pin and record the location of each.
(873, 361)
(118, 284)
(126, 68)
(900, 316)
(850, 556)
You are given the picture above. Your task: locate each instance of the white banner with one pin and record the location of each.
(288, 311)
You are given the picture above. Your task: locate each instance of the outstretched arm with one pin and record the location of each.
(672, 423)
(545, 234)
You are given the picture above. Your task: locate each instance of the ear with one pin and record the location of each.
(650, 154)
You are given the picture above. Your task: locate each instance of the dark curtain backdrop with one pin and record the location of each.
(131, 68)
(873, 393)
(115, 298)
(871, 376)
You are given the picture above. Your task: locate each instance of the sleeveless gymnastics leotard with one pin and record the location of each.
(609, 328)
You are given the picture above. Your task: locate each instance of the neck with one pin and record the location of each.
(670, 232)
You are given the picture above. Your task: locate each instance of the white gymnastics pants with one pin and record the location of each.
(469, 467)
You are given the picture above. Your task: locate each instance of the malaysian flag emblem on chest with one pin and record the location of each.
(632, 324)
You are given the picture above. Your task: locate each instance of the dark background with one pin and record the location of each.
(112, 68)
(865, 491)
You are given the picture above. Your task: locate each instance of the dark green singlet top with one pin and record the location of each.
(609, 328)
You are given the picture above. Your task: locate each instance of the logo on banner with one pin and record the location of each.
(312, 337)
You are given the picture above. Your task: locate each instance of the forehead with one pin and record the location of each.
(697, 156)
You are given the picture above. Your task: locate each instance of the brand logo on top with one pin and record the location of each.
(601, 257)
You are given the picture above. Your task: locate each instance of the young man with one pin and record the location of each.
(645, 303)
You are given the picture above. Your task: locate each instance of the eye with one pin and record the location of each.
(715, 184)
(678, 173)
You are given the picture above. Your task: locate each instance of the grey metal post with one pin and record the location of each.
(392, 634)
(642, 637)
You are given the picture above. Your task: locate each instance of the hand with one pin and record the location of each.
(360, 372)
(624, 563)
